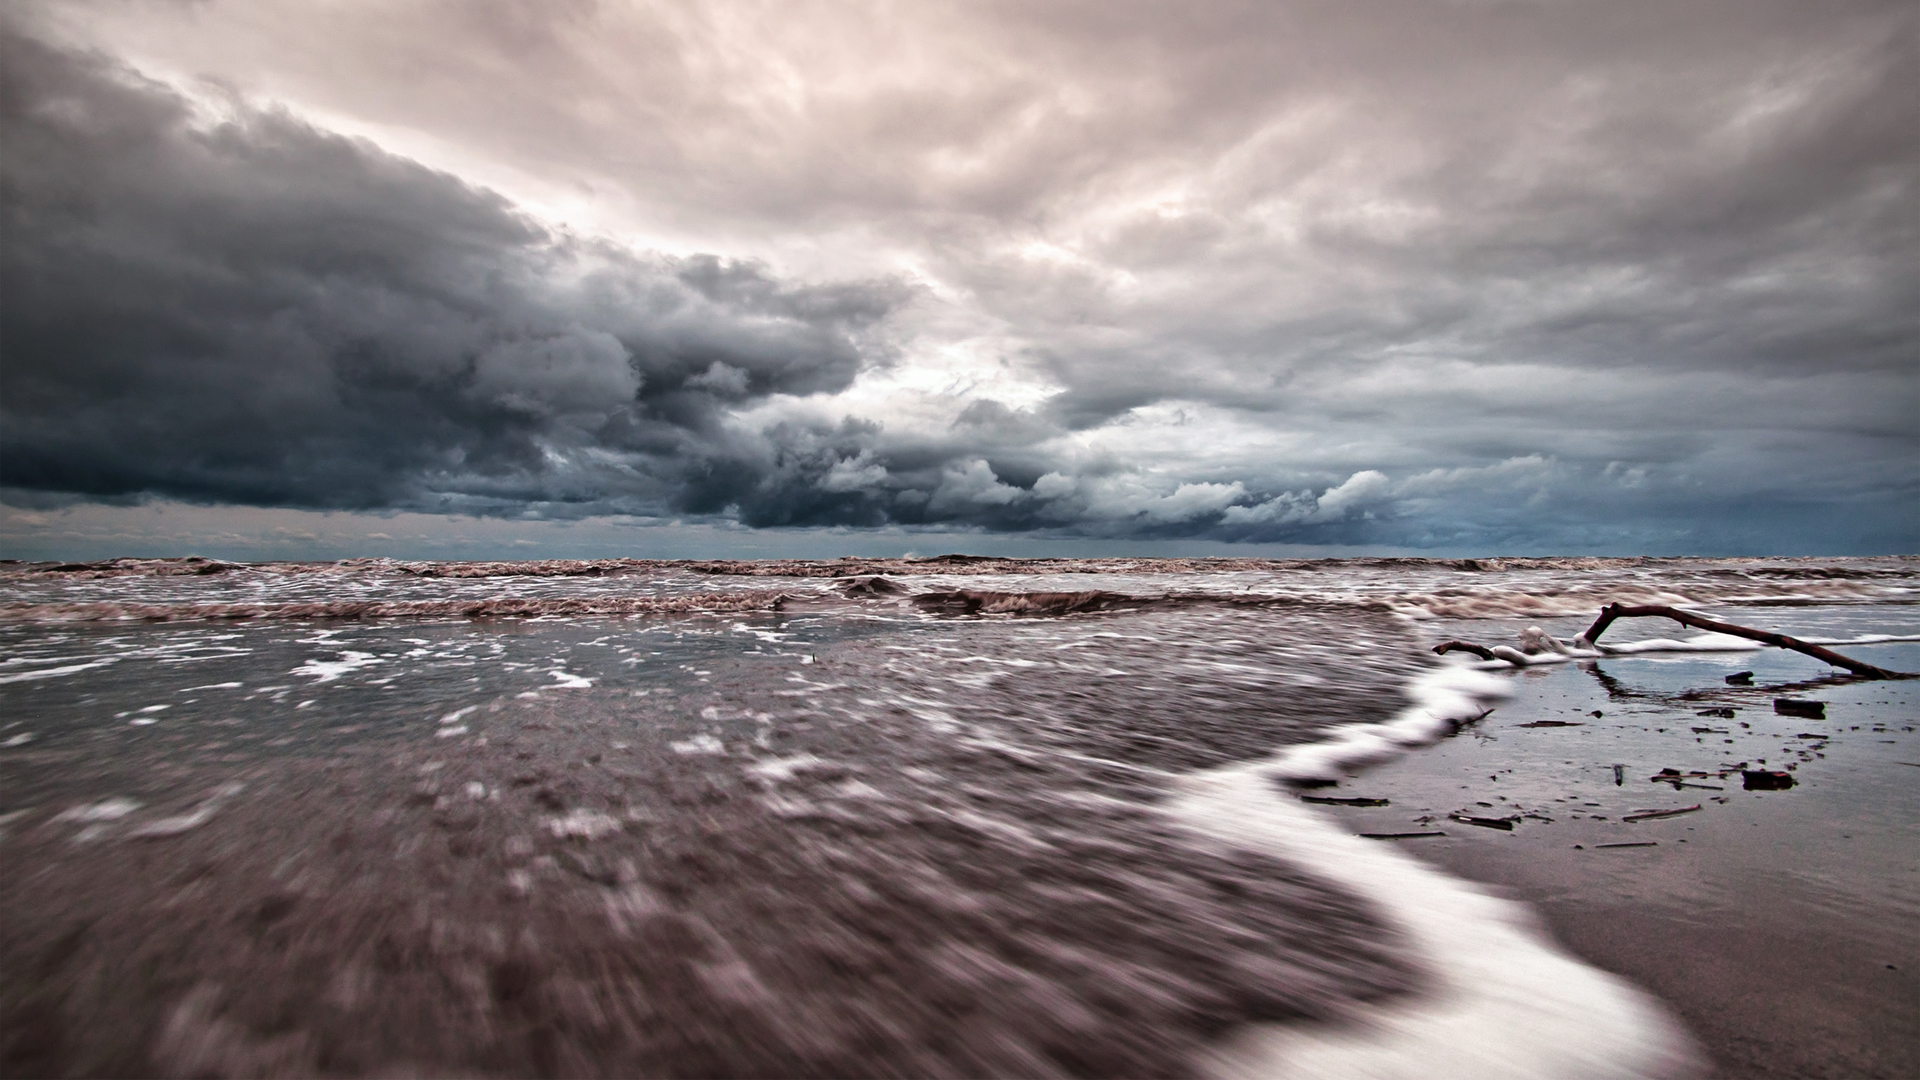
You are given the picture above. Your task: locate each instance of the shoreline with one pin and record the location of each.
(1781, 933)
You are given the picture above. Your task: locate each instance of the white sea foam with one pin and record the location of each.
(53, 673)
(1511, 603)
(1444, 698)
(161, 828)
(328, 670)
(589, 824)
(1547, 650)
(699, 744)
(146, 716)
(174, 826)
(105, 810)
(1447, 697)
(1508, 1003)
(779, 769)
(1702, 643)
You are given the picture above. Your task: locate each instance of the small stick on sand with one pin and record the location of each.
(1648, 815)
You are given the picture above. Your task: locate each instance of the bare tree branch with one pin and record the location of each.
(1635, 611)
(1625, 611)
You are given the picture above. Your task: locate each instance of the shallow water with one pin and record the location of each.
(811, 829)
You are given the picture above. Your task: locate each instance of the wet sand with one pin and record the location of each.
(1785, 987)
(1783, 927)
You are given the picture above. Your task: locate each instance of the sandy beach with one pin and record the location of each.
(1779, 925)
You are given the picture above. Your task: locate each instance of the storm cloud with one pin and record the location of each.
(244, 308)
(1487, 276)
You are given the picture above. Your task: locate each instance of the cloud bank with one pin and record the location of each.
(247, 309)
(1500, 276)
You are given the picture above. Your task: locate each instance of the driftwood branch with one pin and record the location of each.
(1635, 611)
(1480, 651)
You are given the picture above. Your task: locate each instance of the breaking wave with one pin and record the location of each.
(1416, 589)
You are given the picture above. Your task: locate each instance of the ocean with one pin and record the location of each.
(937, 817)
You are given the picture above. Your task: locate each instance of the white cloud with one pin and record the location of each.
(1361, 490)
(971, 484)
(854, 474)
(721, 378)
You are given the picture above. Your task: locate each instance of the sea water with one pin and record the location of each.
(946, 816)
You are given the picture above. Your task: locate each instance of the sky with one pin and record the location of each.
(333, 278)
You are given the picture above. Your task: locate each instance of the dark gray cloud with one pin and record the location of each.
(247, 309)
(1486, 275)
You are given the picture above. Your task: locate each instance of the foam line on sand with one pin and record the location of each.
(1504, 1002)
(1443, 699)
